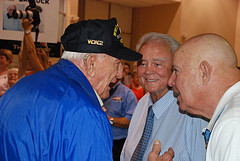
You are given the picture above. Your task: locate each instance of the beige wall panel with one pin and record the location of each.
(74, 7)
(123, 15)
(154, 19)
(174, 28)
(237, 36)
(214, 16)
(96, 10)
(126, 40)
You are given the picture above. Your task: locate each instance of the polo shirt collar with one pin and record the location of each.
(222, 105)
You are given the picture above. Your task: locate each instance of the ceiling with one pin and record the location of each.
(142, 3)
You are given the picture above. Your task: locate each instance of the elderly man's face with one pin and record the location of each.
(108, 70)
(154, 69)
(184, 81)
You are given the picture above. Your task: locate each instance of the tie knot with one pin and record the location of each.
(150, 112)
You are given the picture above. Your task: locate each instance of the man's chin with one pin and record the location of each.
(105, 95)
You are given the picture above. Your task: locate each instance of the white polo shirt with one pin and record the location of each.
(224, 143)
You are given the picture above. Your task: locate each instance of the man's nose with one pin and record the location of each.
(171, 81)
(148, 69)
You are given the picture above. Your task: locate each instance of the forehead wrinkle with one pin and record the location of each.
(155, 59)
(159, 59)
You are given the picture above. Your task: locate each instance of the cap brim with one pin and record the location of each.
(125, 54)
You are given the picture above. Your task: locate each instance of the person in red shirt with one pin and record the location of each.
(136, 87)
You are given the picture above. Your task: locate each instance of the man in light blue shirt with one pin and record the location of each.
(173, 128)
(119, 106)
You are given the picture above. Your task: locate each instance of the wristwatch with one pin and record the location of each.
(27, 32)
(111, 121)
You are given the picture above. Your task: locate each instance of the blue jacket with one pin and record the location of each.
(54, 115)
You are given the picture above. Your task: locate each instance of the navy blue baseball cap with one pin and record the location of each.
(97, 36)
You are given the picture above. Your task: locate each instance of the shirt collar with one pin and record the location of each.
(162, 104)
(99, 99)
(222, 105)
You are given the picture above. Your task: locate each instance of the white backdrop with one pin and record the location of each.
(49, 20)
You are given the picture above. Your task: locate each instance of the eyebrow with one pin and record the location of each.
(159, 59)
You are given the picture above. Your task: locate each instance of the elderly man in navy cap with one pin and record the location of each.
(56, 114)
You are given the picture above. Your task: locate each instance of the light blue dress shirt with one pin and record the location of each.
(179, 131)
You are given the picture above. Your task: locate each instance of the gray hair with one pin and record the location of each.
(161, 38)
(81, 57)
(69, 55)
(12, 69)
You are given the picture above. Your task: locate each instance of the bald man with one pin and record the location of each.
(206, 81)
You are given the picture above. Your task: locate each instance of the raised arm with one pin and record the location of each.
(22, 65)
(29, 46)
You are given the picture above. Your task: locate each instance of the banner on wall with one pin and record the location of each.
(11, 29)
(54, 49)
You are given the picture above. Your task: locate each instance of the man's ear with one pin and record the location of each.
(91, 65)
(205, 72)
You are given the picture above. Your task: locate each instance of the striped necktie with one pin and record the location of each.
(142, 145)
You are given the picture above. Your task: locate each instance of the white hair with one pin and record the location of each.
(173, 43)
(69, 55)
(12, 69)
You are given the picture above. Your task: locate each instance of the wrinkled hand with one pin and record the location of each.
(26, 24)
(154, 154)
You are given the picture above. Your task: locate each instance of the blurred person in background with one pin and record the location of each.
(135, 86)
(126, 80)
(6, 57)
(119, 107)
(12, 76)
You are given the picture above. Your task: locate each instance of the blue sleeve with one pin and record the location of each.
(131, 103)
